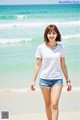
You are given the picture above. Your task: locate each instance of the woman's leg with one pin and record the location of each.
(47, 99)
(55, 95)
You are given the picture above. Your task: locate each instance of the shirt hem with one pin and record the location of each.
(51, 78)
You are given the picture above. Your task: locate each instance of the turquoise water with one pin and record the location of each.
(22, 29)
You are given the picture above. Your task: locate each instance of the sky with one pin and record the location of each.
(20, 2)
(8, 2)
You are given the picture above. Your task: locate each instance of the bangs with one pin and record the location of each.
(51, 30)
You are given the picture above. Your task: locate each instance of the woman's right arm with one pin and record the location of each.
(36, 71)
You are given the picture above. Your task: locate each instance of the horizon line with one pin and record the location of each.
(43, 4)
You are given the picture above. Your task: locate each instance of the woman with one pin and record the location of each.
(51, 59)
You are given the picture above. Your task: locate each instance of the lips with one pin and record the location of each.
(51, 37)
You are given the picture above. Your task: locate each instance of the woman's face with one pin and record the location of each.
(52, 36)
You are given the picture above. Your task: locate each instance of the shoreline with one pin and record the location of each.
(24, 90)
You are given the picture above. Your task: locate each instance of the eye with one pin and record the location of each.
(54, 33)
(49, 33)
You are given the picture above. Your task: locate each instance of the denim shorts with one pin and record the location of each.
(47, 83)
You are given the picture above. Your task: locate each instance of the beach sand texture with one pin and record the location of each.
(30, 105)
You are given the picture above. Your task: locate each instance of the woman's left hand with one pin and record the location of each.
(69, 87)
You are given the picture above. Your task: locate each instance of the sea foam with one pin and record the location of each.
(39, 24)
(15, 40)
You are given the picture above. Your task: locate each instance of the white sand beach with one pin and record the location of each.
(42, 116)
(30, 105)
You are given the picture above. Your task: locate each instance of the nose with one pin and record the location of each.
(51, 34)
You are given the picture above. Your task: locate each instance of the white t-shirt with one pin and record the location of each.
(51, 67)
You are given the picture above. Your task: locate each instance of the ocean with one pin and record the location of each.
(22, 30)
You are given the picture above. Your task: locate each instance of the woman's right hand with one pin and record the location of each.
(33, 86)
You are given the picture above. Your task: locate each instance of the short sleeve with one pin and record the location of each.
(38, 52)
(63, 52)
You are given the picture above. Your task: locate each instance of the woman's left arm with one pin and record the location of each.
(65, 72)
